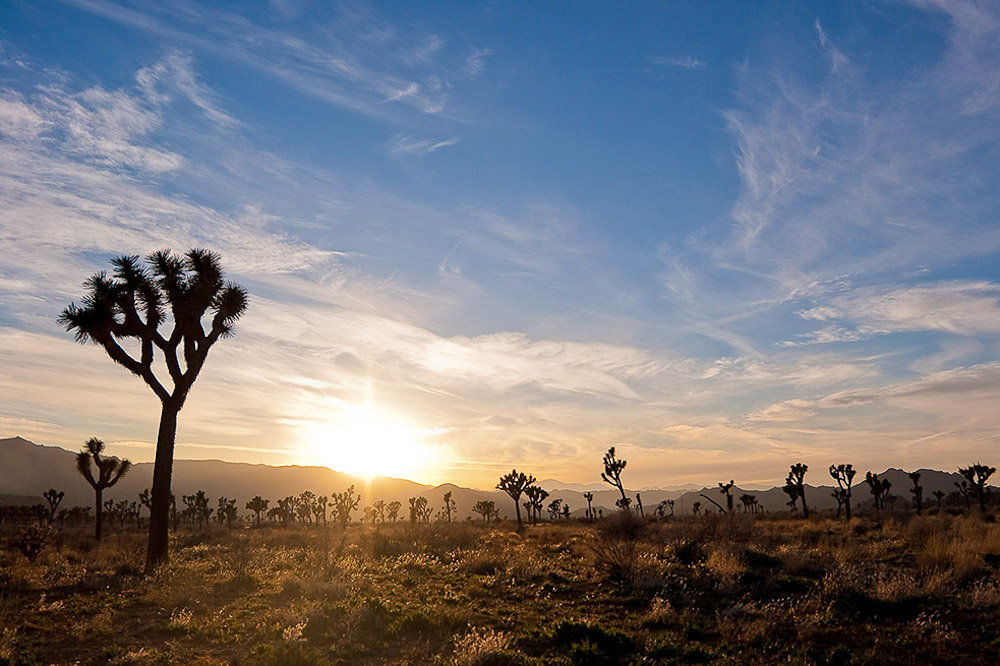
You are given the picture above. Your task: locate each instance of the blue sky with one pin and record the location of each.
(721, 236)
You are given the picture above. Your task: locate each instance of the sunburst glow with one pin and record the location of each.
(368, 443)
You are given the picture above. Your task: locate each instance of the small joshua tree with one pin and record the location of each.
(258, 505)
(53, 497)
(796, 478)
(536, 496)
(696, 508)
(514, 485)
(344, 504)
(109, 470)
(319, 509)
(918, 492)
(32, 540)
(484, 508)
(749, 503)
(879, 488)
(977, 475)
(197, 504)
(419, 511)
(725, 489)
(392, 510)
(227, 512)
(612, 475)
(938, 495)
(555, 508)
(450, 506)
(844, 475)
(589, 496)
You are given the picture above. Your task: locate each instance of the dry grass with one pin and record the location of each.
(717, 590)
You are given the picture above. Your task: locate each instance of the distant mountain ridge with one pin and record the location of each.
(28, 469)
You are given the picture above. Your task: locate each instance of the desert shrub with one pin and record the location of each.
(485, 648)
(31, 540)
(288, 654)
(582, 642)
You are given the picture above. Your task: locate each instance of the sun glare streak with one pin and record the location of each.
(368, 443)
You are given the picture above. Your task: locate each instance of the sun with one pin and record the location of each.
(367, 443)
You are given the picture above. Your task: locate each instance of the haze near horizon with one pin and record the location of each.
(720, 238)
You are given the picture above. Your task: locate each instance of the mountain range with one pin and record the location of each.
(28, 469)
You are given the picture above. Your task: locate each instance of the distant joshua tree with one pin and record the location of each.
(109, 470)
(536, 497)
(589, 496)
(514, 484)
(131, 306)
(555, 508)
(977, 475)
(450, 506)
(484, 508)
(258, 505)
(197, 506)
(879, 488)
(53, 497)
(392, 510)
(724, 488)
(844, 475)
(344, 504)
(749, 502)
(965, 492)
(796, 479)
(319, 509)
(612, 475)
(918, 492)
(419, 511)
(696, 508)
(938, 495)
(227, 512)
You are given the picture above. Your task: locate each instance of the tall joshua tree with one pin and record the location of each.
(134, 304)
(589, 496)
(612, 475)
(918, 492)
(725, 489)
(977, 475)
(514, 484)
(109, 470)
(54, 498)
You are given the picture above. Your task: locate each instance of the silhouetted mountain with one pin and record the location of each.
(28, 469)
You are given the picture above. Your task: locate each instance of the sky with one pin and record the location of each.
(721, 236)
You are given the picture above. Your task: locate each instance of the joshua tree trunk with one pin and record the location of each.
(159, 512)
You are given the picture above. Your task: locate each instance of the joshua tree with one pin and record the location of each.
(319, 508)
(227, 512)
(132, 305)
(844, 475)
(449, 507)
(484, 508)
(724, 488)
(793, 494)
(566, 512)
(589, 496)
(53, 497)
(977, 475)
(879, 488)
(612, 475)
(258, 505)
(638, 508)
(966, 492)
(304, 507)
(379, 509)
(109, 470)
(555, 508)
(938, 495)
(796, 478)
(344, 503)
(514, 484)
(536, 496)
(419, 511)
(197, 505)
(918, 492)
(393, 510)
(749, 503)
(696, 508)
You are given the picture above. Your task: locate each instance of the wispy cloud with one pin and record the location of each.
(410, 145)
(677, 62)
